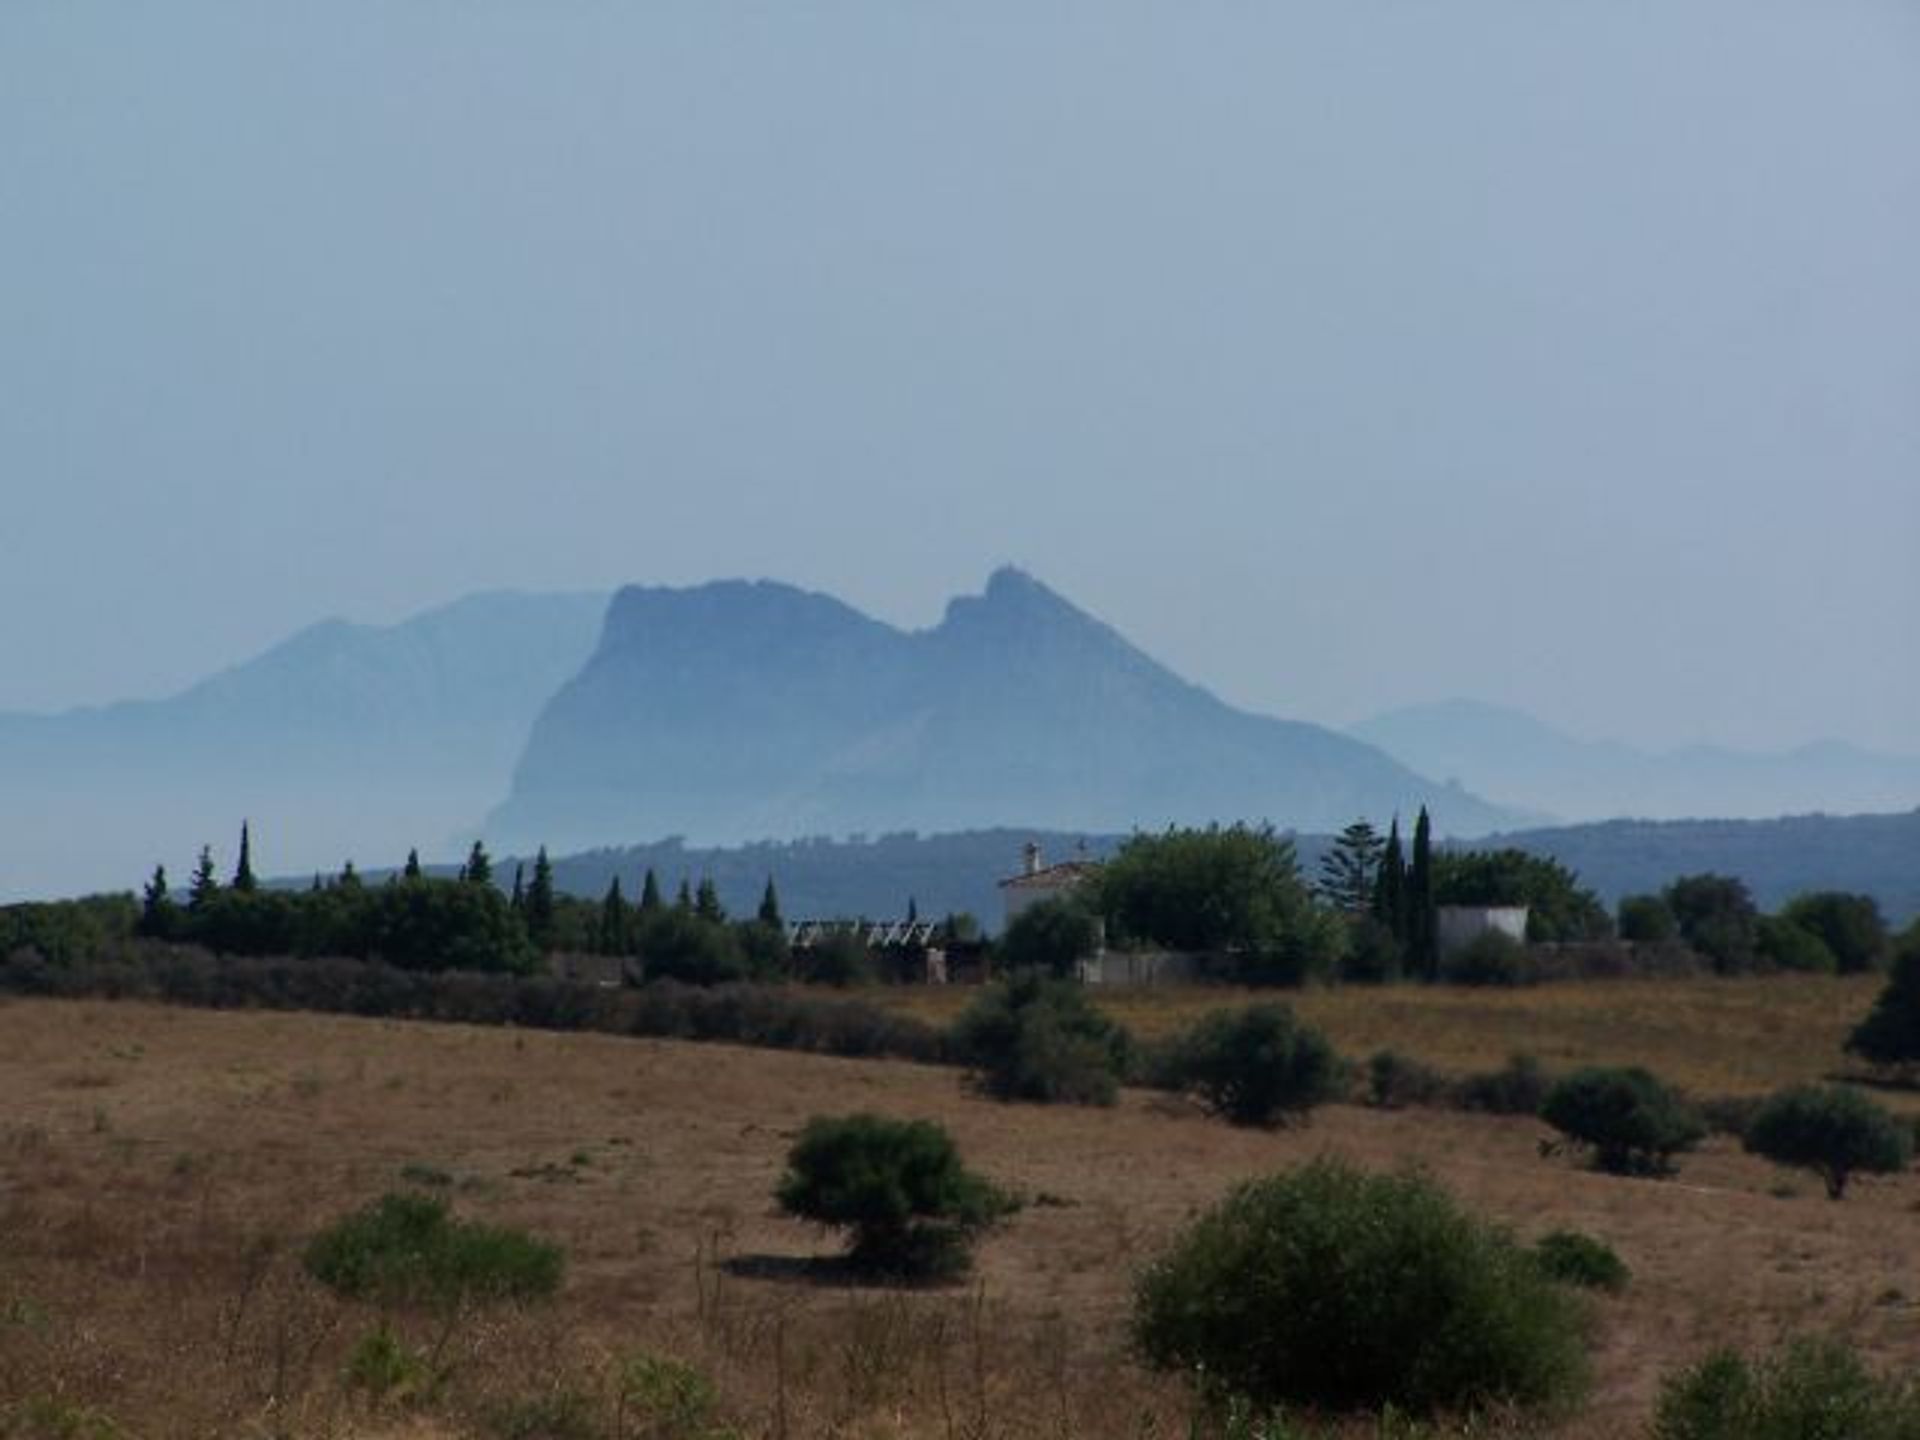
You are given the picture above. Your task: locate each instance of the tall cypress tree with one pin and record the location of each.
(706, 902)
(479, 867)
(770, 906)
(517, 897)
(203, 886)
(683, 902)
(243, 880)
(540, 899)
(1390, 886)
(613, 920)
(650, 902)
(412, 870)
(1423, 940)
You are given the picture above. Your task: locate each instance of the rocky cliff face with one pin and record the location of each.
(738, 711)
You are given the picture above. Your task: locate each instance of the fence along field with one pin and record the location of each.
(165, 1166)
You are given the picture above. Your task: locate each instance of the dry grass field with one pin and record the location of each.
(160, 1169)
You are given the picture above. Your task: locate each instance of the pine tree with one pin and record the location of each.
(683, 902)
(412, 870)
(706, 903)
(613, 921)
(1423, 940)
(1390, 886)
(517, 900)
(1349, 871)
(650, 902)
(349, 877)
(203, 887)
(913, 911)
(479, 867)
(157, 908)
(770, 907)
(540, 899)
(243, 880)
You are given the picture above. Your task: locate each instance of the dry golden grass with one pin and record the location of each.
(1713, 1036)
(160, 1168)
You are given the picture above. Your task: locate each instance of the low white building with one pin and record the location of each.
(1038, 881)
(1458, 925)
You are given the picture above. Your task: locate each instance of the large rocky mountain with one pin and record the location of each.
(343, 741)
(1513, 757)
(736, 711)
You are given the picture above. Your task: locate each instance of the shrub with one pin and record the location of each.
(1517, 1088)
(1033, 1038)
(1394, 1080)
(671, 1399)
(1647, 919)
(1492, 958)
(1576, 1259)
(1832, 1131)
(1634, 1124)
(1327, 1287)
(1850, 926)
(1786, 946)
(1890, 1035)
(405, 1250)
(1257, 1065)
(897, 1186)
(839, 957)
(1373, 955)
(1812, 1390)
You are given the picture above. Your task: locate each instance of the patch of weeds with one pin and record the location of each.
(670, 1400)
(383, 1366)
(561, 1415)
(580, 1159)
(1574, 1258)
(549, 1171)
(25, 1313)
(1781, 1190)
(47, 1417)
(306, 1085)
(406, 1249)
(431, 1177)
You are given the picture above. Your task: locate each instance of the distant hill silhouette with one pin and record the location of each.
(344, 740)
(1509, 755)
(736, 711)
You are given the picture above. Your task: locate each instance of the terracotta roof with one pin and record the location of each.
(1067, 872)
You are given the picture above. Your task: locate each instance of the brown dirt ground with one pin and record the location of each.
(159, 1169)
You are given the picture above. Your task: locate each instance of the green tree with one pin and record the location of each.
(615, 928)
(1423, 931)
(678, 945)
(243, 879)
(1559, 908)
(1035, 1038)
(769, 912)
(539, 904)
(1633, 1123)
(158, 915)
(897, 1186)
(1787, 946)
(479, 867)
(1051, 936)
(1390, 887)
(706, 903)
(1851, 926)
(1350, 871)
(411, 871)
(1257, 1065)
(203, 887)
(1717, 917)
(1832, 1130)
(683, 901)
(1809, 1390)
(650, 902)
(1890, 1034)
(1646, 919)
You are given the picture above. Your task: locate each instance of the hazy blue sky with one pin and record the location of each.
(1342, 354)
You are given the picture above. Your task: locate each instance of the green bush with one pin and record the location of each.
(1051, 937)
(1394, 1080)
(1517, 1088)
(1034, 1038)
(1576, 1259)
(1811, 1390)
(1634, 1124)
(912, 1209)
(669, 1398)
(1328, 1287)
(1491, 958)
(1890, 1035)
(1831, 1130)
(405, 1250)
(1851, 927)
(1258, 1065)
(1787, 946)
(1647, 919)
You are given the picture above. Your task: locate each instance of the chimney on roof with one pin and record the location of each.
(1030, 858)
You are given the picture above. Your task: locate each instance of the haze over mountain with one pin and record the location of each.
(741, 711)
(1512, 757)
(343, 741)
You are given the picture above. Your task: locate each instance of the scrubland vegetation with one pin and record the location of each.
(385, 1228)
